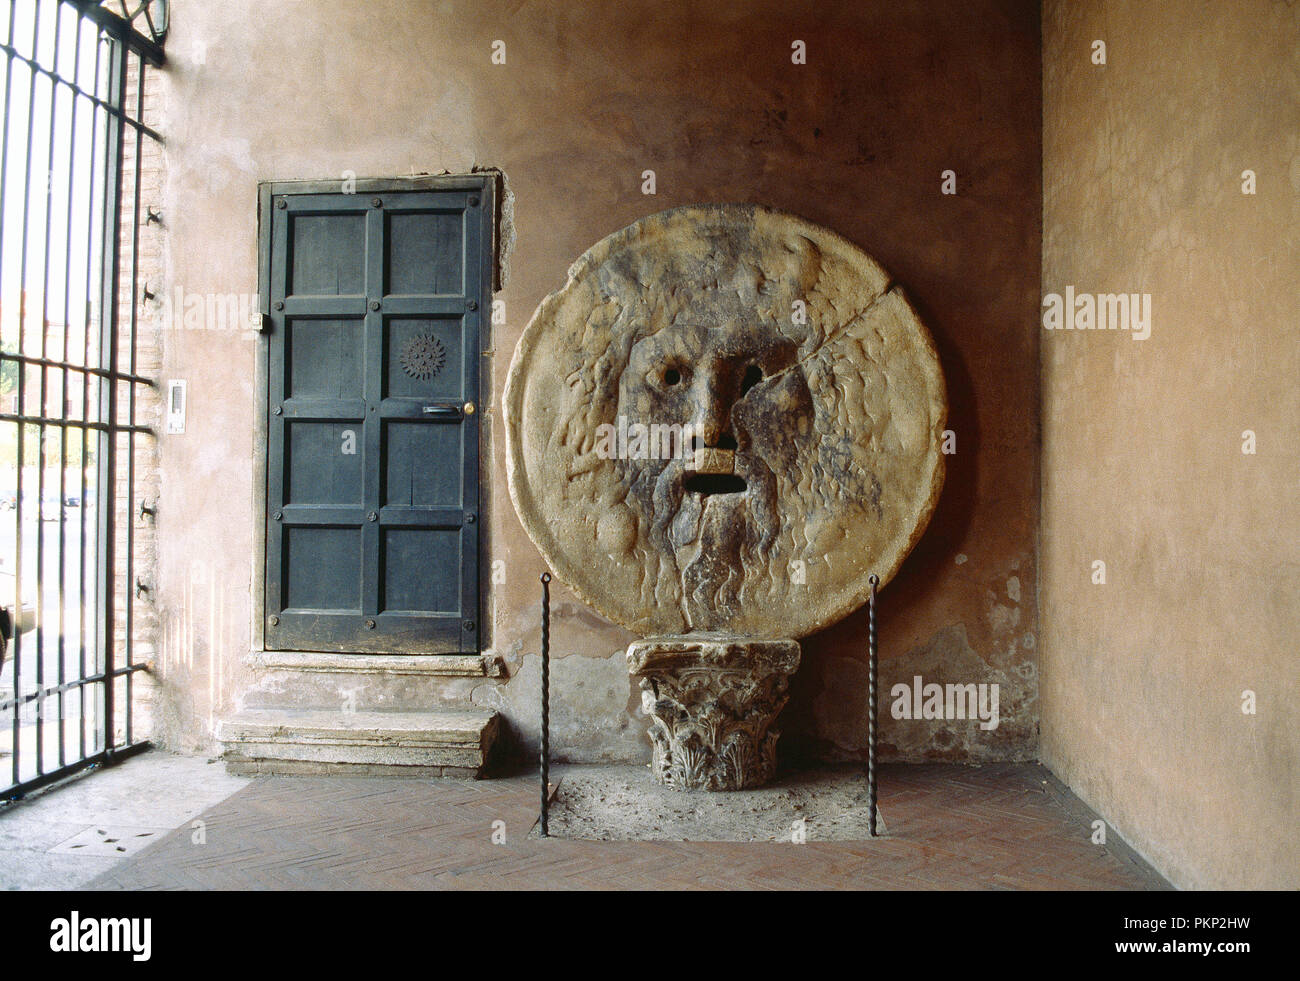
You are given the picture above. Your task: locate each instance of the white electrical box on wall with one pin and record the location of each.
(175, 406)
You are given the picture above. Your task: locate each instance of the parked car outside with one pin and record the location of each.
(24, 620)
(49, 508)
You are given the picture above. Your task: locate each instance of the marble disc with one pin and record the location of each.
(726, 420)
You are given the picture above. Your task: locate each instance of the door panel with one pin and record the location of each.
(424, 250)
(329, 252)
(325, 358)
(321, 569)
(318, 468)
(406, 557)
(372, 436)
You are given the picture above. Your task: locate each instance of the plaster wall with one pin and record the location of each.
(708, 97)
(1143, 678)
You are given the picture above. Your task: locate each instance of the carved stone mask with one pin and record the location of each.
(724, 422)
(746, 416)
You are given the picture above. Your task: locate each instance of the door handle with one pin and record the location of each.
(445, 411)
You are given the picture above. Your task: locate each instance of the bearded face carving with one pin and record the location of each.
(724, 422)
(746, 420)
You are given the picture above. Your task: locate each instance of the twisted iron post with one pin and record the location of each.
(871, 707)
(546, 700)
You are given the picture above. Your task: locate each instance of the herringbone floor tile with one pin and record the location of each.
(949, 827)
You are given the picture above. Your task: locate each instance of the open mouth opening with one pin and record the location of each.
(706, 484)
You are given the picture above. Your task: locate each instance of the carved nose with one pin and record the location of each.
(711, 422)
(712, 419)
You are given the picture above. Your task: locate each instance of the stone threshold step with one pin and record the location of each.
(257, 739)
(429, 665)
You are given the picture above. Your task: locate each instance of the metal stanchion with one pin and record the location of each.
(546, 700)
(871, 707)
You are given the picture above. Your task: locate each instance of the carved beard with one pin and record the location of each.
(720, 543)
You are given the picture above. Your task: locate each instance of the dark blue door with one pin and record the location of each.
(375, 299)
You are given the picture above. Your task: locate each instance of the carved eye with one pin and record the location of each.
(753, 375)
(672, 376)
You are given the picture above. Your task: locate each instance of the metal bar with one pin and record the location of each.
(871, 706)
(69, 366)
(22, 388)
(51, 74)
(108, 201)
(120, 29)
(103, 758)
(109, 316)
(4, 184)
(87, 594)
(129, 634)
(147, 9)
(67, 686)
(102, 427)
(546, 703)
(63, 397)
(44, 404)
(4, 138)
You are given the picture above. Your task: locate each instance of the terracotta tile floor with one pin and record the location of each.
(993, 827)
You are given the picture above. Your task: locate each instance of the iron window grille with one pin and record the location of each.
(76, 392)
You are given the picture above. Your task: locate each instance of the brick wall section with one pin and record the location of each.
(135, 533)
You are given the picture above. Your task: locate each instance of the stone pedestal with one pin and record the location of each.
(712, 699)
